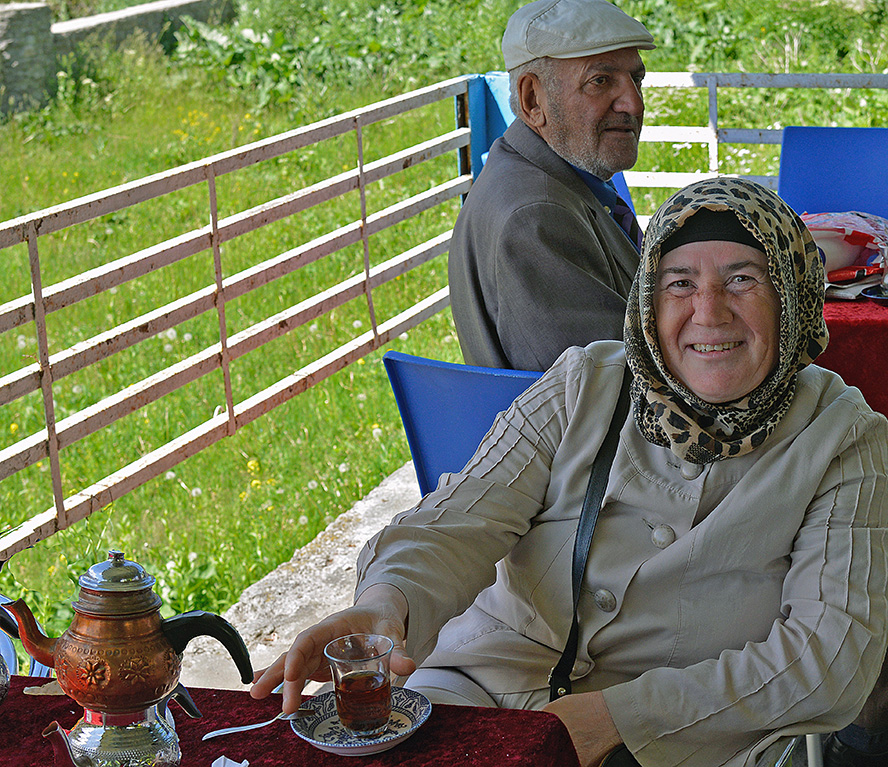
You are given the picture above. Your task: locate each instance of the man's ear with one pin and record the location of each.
(532, 101)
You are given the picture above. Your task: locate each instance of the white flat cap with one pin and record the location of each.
(568, 29)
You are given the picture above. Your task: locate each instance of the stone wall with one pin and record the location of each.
(26, 55)
(31, 46)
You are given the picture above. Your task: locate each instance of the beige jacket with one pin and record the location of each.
(765, 615)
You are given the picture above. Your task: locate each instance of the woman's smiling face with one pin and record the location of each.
(718, 318)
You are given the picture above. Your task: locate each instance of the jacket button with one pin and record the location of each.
(605, 600)
(662, 536)
(691, 470)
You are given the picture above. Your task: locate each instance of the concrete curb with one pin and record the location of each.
(318, 580)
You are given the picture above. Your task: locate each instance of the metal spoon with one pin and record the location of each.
(244, 727)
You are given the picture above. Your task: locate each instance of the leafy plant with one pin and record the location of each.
(221, 520)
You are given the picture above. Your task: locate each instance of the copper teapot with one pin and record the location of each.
(118, 655)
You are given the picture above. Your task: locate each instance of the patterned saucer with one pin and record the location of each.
(876, 293)
(323, 730)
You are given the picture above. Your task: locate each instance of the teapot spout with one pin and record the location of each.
(59, 738)
(39, 646)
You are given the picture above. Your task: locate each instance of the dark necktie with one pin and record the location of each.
(624, 216)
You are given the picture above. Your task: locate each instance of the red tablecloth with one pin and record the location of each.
(453, 735)
(858, 347)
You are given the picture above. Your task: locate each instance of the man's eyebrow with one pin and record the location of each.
(608, 67)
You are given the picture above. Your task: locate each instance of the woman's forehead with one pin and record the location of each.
(722, 254)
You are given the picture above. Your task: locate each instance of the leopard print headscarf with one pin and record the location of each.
(666, 411)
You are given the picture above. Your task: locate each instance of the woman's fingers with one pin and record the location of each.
(305, 658)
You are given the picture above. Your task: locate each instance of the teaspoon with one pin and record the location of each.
(244, 727)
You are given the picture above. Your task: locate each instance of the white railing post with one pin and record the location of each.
(712, 87)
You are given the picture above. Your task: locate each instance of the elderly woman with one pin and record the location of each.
(735, 589)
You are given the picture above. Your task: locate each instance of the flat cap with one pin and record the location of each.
(568, 29)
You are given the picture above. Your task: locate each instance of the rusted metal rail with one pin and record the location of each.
(466, 143)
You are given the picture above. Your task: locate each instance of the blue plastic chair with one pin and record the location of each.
(831, 170)
(490, 115)
(447, 408)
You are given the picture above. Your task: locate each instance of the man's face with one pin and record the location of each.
(594, 111)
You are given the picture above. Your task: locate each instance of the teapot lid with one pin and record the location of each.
(116, 574)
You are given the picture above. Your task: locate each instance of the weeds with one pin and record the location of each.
(224, 518)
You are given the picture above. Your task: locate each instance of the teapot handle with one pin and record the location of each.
(181, 629)
(8, 624)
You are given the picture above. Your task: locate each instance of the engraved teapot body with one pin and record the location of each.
(118, 655)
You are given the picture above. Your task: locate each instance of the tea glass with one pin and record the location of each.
(360, 667)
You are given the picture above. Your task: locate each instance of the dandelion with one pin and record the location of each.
(187, 337)
(196, 492)
(303, 520)
(171, 334)
(21, 342)
(167, 347)
(312, 484)
(242, 495)
(361, 397)
(170, 475)
(403, 336)
(377, 433)
(343, 467)
(313, 328)
(77, 389)
(13, 428)
(255, 484)
(192, 556)
(357, 324)
(253, 466)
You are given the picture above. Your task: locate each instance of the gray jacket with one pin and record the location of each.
(536, 263)
(757, 609)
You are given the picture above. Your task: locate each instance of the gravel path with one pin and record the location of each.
(318, 580)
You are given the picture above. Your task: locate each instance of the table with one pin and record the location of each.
(452, 735)
(858, 347)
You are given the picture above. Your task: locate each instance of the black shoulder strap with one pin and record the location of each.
(559, 677)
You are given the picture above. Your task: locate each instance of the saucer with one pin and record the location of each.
(323, 730)
(876, 293)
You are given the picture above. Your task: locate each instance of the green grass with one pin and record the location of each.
(229, 515)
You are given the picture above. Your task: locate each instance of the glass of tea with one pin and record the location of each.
(360, 666)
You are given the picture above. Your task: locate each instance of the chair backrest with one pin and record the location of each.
(490, 115)
(832, 170)
(447, 408)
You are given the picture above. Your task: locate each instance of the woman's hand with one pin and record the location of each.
(381, 609)
(589, 723)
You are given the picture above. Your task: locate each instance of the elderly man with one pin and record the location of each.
(544, 251)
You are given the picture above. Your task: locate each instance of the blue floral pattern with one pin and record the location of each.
(323, 730)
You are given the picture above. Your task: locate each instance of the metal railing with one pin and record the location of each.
(34, 307)
(713, 136)
(44, 300)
